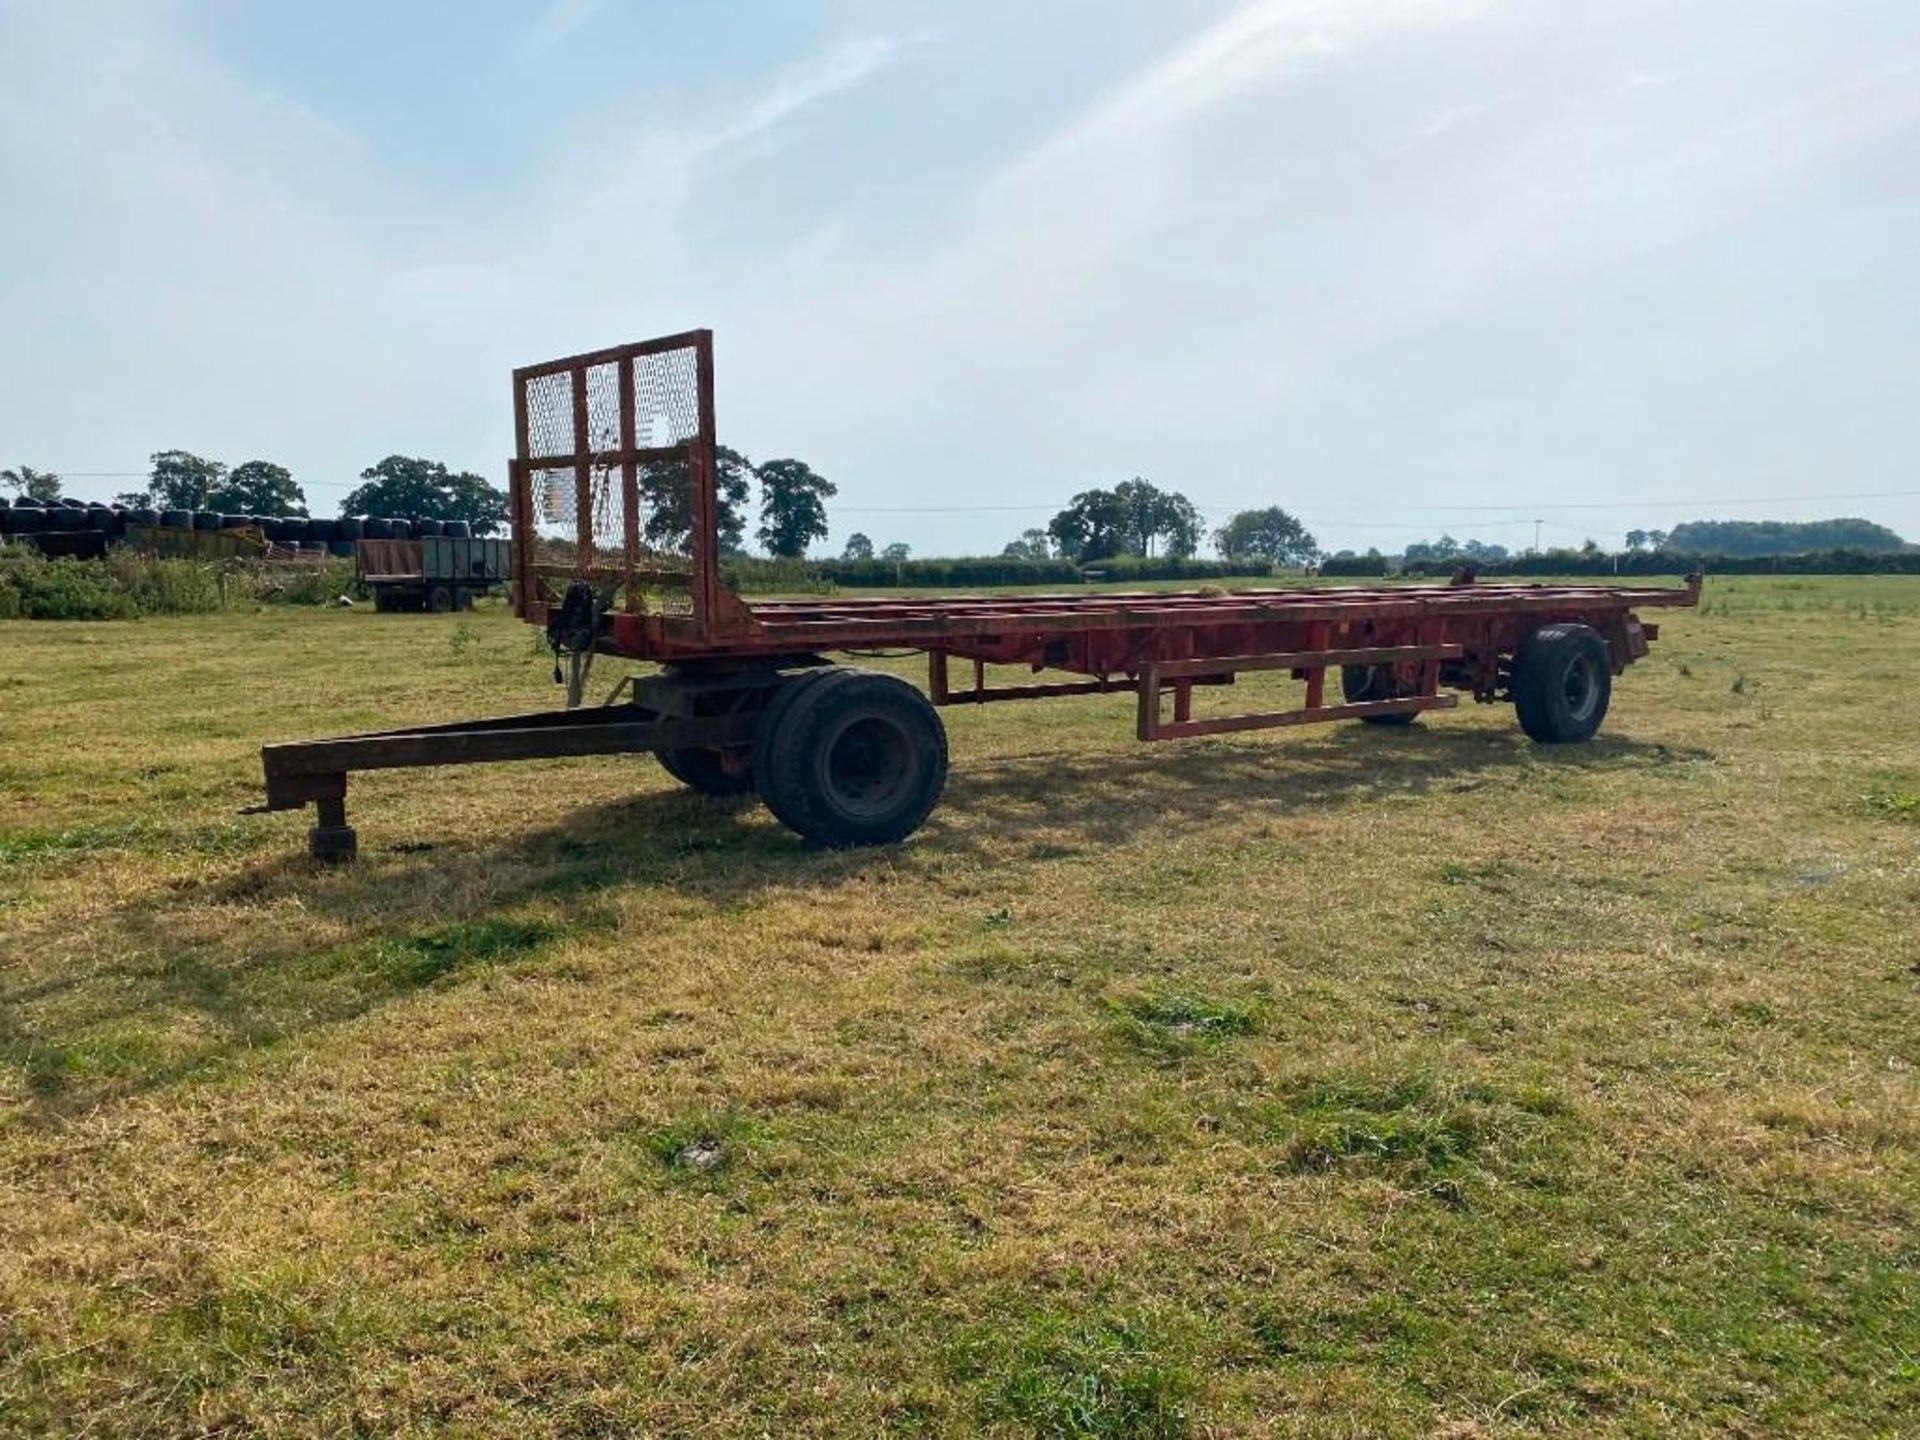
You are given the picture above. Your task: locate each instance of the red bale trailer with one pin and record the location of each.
(613, 503)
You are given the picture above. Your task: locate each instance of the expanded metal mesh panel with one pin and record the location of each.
(603, 408)
(666, 397)
(550, 415)
(616, 512)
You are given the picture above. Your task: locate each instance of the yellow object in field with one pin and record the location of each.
(242, 543)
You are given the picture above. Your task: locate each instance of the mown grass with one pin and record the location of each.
(1333, 1082)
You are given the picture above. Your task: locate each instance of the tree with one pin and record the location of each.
(1153, 514)
(1781, 537)
(402, 485)
(733, 475)
(665, 500)
(1271, 535)
(1092, 527)
(42, 487)
(1636, 539)
(472, 499)
(1032, 545)
(898, 551)
(1447, 548)
(1657, 539)
(258, 487)
(1126, 520)
(181, 480)
(793, 512)
(859, 547)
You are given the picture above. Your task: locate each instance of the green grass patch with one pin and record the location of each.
(1184, 1022)
(142, 835)
(1413, 1126)
(1894, 805)
(1068, 1377)
(406, 962)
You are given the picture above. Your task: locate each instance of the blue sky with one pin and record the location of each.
(1403, 266)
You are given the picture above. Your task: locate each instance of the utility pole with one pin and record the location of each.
(1536, 537)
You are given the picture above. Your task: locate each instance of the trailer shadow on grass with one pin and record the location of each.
(1110, 798)
(156, 1009)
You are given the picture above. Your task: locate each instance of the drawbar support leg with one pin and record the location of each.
(331, 841)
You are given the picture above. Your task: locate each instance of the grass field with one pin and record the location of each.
(1330, 1082)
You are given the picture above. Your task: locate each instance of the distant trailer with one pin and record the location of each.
(435, 572)
(613, 503)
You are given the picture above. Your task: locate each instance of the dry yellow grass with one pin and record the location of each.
(1334, 1082)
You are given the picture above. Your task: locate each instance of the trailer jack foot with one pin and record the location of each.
(332, 844)
(331, 841)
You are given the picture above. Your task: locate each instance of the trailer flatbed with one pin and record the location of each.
(613, 500)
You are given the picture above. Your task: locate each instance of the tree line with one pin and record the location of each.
(1737, 539)
(399, 485)
(792, 495)
(1138, 518)
(1134, 518)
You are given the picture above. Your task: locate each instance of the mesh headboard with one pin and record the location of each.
(613, 482)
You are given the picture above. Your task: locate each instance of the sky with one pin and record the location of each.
(1404, 267)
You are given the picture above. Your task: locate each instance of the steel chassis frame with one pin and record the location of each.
(1423, 640)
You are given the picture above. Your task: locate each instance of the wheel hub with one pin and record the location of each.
(867, 764)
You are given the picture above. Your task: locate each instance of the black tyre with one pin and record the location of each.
(1362, 683)
(858, 758)
(1562, 683)
(440, 599)
(706, 771)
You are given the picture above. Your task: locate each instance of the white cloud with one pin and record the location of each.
(839, 67)
(1253, 44)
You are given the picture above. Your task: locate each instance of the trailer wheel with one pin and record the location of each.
(1361, 683)
(440, 599)
(1562, 683)
(706, 772)
(783, 699)
(856, 758)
